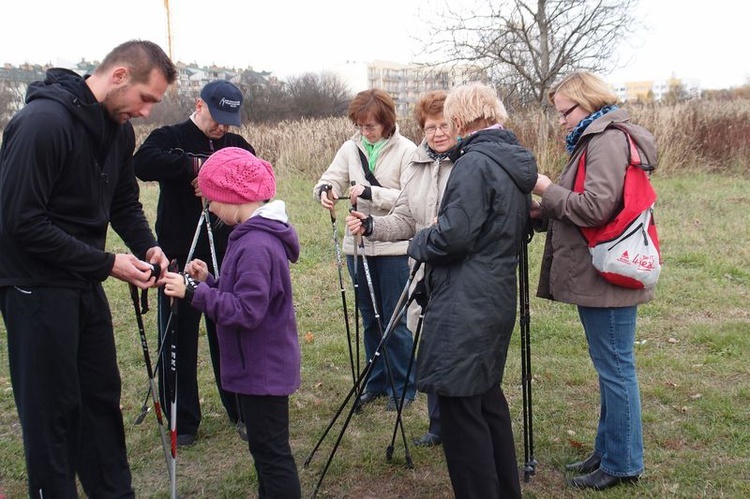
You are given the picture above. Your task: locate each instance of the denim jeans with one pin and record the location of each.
(389, 276)
(610, 333)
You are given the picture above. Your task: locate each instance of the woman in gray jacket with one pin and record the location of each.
(417, 208)
(587, 107)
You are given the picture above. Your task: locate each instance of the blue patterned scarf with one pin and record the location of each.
(572, 139)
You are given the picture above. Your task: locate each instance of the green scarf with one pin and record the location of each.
(373, 151)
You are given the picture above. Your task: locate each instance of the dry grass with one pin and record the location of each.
(694, 136)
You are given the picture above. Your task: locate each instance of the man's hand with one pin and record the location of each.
(130, 269)
(156, 256)
(196, 188)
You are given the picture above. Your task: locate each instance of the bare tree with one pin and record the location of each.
(266, 104)
(525, 45)
(317, 95)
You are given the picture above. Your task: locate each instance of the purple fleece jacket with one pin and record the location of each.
(252, 307)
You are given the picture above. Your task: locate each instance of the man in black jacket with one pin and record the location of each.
(173, 155)
(65, 174)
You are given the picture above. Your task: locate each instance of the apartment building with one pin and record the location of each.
(405, 82)
(657, 90)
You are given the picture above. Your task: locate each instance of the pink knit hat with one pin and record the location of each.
(233, 175)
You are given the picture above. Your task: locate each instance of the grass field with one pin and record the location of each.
(692, 347)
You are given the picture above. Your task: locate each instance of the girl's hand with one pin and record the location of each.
(197, 269)
(174, 285)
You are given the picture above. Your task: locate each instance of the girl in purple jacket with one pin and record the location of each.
(252, 307)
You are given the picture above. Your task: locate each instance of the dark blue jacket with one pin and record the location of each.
(472, 258)
(65, 173)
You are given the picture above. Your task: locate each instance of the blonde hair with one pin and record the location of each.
(586, 89)
(474, 106)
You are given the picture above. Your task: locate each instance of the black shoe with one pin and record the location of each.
(392, 404)
(588, 465)
(368, 397)
(185, 440)
(428, 440)
(600, 480)
(241, 430)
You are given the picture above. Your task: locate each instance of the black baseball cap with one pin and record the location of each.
(224, 100)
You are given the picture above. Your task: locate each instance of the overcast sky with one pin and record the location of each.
(289, 37)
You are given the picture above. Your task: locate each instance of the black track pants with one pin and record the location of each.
(66, 385)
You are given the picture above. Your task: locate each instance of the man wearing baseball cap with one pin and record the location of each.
(224, 101)
(173, 155)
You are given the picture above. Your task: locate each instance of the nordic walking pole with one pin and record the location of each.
(240, 425)
(150, 371)
(391, 324)
(361, 380)
(211, 244)
(196, 236)
(329, 192)
(529, 467)
(371, 288)
(173, 388)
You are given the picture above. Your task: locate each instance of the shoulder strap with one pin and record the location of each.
(638, 195)
(634, 159)
(366, 169)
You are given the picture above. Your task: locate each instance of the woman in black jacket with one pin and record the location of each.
(472, 256)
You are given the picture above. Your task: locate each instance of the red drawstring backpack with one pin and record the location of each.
(625, 251)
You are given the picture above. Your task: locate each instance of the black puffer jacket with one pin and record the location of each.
(472, 257)
(65, 173)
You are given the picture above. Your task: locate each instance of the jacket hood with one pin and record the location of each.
(70, 89)
(503, 148)
(621, 118)
(272, 218)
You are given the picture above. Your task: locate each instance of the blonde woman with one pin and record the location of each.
(471, 256)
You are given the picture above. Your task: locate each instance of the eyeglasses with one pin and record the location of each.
(564, 114)
(368, 127)
(430, 130)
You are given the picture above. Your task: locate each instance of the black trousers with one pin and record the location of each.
(267, 419)
(187, 324)
(478, 445)
(433, 409)
(66, 385)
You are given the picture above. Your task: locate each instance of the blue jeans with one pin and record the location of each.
(610, 333)
(389, 276)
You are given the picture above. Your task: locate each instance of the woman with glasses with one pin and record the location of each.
(587, 110)
(416, 208)
(370, 169)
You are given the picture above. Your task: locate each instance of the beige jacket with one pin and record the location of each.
(415, 209)
(390, 171)
(567, 274)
